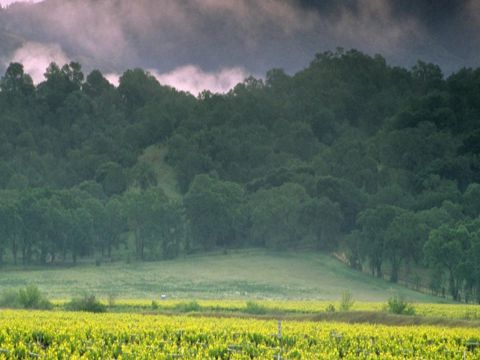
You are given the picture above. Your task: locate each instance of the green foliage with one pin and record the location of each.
(29, 297)
(214, 211)
(252, 307)
(276, 215)
(398, 305)
(9, 298)
(87, 303)
(330, 308)
(191, 306)
(111, 299)
(346, 301)
(348, 148)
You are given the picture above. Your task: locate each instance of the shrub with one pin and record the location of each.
(154, 305)
(330, 308)
(112, 298)
(9, 298)
(86, 303)
(398, 305)
(346, 302)
(255, 308)
(188, 307)
(29, 297)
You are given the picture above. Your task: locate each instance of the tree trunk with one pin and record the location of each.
(453, 287)
(139, 243)
(14, 250)
(395, 269)
(24, 255)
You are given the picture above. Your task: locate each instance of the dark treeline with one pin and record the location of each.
(352, 155)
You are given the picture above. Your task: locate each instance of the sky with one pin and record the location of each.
(214, 44)
(4, 3)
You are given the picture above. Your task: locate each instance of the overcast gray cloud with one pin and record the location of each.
(216, 40)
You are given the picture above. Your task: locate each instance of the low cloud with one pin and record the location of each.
(194, 80)
(113, 78)
(36, 58)
(4, 3)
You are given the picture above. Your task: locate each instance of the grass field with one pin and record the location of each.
(245, 274)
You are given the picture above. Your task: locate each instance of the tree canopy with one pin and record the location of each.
(350, 154)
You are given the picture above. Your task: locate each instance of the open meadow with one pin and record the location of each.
(242, 274)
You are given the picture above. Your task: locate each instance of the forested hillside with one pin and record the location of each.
(351, 155)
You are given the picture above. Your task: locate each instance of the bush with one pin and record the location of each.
(188, 307)
(29, 297)
(86, 303)
(9, 298)
(330, 308)
(346, 302)
(255, 308)
(398, 305)
(112, 298)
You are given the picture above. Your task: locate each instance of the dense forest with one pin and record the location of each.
(350, 155)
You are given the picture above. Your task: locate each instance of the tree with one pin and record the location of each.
(373, 224)
(112, 177)
(404, 239)
(115, 224)
(214, 211)
(471, 200)
(155, 222)
(16, 85)
(446, 250)
(136, 207)
(350, 199)
(427, 77)
(79, 234)
(325, 219)
(96, 85)
(59, 83)
(187, 159)
(10, 225)
(142, 175)
(165, 230)
(136, 88)
(96, 209)
(275, 215)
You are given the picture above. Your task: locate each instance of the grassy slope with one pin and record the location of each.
(155, 156)
(242, 274)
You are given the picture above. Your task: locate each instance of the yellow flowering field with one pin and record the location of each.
(70, 335)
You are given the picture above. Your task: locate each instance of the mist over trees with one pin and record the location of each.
(114, 35)
(350, 155)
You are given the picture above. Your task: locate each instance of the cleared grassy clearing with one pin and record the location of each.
(243, 275)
